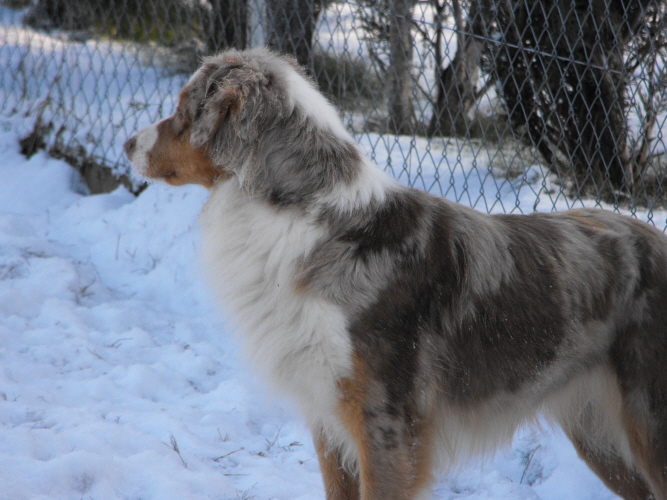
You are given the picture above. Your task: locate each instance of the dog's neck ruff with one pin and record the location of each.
(313, 104)
(369, 187)
(251, 250)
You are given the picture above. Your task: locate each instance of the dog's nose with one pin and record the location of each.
(130, 146)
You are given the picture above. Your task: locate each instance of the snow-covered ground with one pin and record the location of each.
(119, 379)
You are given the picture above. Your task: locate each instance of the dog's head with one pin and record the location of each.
(253, 114)
(218, 113)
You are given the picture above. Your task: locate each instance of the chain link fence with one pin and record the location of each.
(503, 105)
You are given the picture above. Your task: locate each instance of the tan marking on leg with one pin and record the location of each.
(351, 411)
(423, 456)
(401, 472)
(339, 484)
(642, 449)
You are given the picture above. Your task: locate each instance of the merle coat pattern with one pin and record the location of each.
(413, 332)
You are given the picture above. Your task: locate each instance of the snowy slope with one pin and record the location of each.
(109, 349)
(118, 379)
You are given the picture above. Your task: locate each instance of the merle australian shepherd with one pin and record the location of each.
(411, 331)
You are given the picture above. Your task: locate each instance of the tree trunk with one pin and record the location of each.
(457, 82)
(562, 77)
(227, 25)
(59, 14)
(399, 78)
(291, 27)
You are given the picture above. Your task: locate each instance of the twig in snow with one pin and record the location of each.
(174, 445)
(225, 456)
(98, 356)
(223, 439)
(528, 461)
(271, 443)
(118, 342)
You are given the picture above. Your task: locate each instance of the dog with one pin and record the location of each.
(412, 332)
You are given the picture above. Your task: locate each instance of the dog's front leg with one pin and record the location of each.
(394, 446)
(339, 483)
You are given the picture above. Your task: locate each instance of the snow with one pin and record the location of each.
(110, 348)
(119, 378)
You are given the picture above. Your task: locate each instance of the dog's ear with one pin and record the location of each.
(227, 93)
(221, 100)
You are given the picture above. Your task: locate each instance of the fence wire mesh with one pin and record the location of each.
(504, 105)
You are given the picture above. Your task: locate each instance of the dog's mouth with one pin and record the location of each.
(169, 177)
(152, 173)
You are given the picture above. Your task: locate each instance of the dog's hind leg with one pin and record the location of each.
(648, 442)
(610, 467)
(590, 411)
(339, 483)
(621, 434)
(639, 357)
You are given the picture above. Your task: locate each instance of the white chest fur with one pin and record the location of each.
(297, 342)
